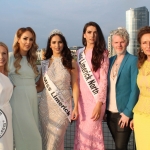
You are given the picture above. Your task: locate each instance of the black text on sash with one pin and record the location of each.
(56, 97)
(88, 75)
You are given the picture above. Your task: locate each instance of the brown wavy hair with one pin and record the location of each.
(6, 65)
(141, 56)
(31, 54)
(66, 53)
(99, 47)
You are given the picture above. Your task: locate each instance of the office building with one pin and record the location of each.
(135, 19)
(40, 53)
(110, 48)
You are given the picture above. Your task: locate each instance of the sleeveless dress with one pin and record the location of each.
(6, 135)
(53, 120)
(89, 133)
(24, 106)
(142, 109)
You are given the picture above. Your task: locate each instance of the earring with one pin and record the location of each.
(141, 50)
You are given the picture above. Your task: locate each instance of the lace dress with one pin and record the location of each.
(142, 109)
(89, 134)
(143, 81)
(53, 120)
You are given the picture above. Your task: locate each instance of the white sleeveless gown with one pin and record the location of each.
(6, 132)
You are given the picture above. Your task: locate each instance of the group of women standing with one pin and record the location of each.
(59, 75)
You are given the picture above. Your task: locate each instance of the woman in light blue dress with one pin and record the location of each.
(22, 66)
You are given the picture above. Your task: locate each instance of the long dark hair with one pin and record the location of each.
(66, 53)
(99, 47)
(141, 56)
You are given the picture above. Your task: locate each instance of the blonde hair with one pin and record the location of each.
(6, 65)
(31, 54)
(122, 32)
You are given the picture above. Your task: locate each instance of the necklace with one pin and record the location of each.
(116, 66)
(115, 70)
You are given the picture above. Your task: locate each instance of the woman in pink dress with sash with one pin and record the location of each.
(93, 67)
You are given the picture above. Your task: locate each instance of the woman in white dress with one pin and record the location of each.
(6, 89)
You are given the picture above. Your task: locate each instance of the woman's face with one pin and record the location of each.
(145, 44)
(56, 44)
(3, 56)
(90, 34)
(25, 42)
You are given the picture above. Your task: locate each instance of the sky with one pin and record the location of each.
(69, 16)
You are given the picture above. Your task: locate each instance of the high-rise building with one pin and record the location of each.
(40, 53)
(110, 48)
(73, 50)
(135, 19)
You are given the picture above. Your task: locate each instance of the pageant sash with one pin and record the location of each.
(3, 123)
(87, 74)
(54, 92)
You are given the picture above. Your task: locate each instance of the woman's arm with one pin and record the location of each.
(75, 89)
(101, 99)
(40, 84)
(103, 80)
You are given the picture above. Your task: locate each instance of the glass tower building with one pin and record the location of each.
(135, 19)
(110, 48)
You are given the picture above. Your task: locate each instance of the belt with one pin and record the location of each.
(113, 114)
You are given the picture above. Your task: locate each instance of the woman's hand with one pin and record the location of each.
(75, 114)
(97, 111)
(132, 124)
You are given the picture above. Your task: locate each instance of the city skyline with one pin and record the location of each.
(135, 19)
(110, 48)
(68, 16)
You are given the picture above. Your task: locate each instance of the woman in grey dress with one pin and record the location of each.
(59, 72)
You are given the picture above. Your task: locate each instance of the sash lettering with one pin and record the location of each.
(87, 74)
(55, 93)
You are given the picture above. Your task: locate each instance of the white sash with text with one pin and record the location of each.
(87, 74)
(54, 92)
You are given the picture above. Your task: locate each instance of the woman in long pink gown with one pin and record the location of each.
(89, 134)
